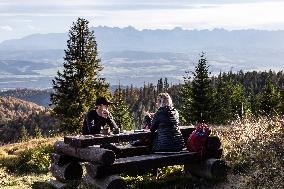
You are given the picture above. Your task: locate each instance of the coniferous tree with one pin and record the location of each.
(166, 85)
(160, 86)
(222, 101)
(186, 100)
(281, 103)
(37, 132)
(24, 135)
(201, 92)
(239, 102)
(120, 111)
(77, 86)
(269, 98)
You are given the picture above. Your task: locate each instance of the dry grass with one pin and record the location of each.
(16, 148)
(11, 181)
(254, 148)
(10, 153)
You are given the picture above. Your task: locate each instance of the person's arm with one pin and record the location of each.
(111, 122)
(147, 122)
(93, 126)
(154, 123)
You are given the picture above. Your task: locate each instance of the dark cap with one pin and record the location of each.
(103, 100)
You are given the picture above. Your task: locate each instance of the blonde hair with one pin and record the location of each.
(164, 99)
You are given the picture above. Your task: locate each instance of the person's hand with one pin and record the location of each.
(148, 114)
(105, 113)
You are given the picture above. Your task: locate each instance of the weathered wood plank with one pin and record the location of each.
(141, 164)
(91, 153)
(108, 182)
(89, 140)
(213, 143)
(83, 141)
(217, 154)
(210, 169)
(127, 150)
(67, 172)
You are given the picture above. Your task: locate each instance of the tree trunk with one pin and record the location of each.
(213, 143)
(213, 169)
(141, 164)
(67, 172)
(97, 170)
(91, 153)
(62, 159)
(56, 184)
(108, 182)
(216, 154)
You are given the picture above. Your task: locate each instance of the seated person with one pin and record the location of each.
(146, 126)
(164, 125)
(97, 118)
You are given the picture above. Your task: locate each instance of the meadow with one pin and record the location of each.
(253, 149)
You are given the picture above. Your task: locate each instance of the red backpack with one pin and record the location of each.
(197, 139)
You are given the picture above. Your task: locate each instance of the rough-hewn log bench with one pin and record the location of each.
(104, 164)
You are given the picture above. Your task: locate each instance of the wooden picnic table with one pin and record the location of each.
(104, 162)
(126, 136)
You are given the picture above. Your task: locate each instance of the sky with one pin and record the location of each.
(19, 18)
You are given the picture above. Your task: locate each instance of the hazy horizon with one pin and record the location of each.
(152, 29)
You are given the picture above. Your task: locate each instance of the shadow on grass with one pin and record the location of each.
(176, 182)
(46, 185)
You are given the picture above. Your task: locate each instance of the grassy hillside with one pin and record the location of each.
(252, 148)
(25, 163)
(19, 117)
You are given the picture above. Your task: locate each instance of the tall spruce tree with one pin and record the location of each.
(166, 85)
(186, 100)
(160, 86)
(222, 101)
(238, 100)
(120, 111)
(201, 92)
(77, 86)
(281, 99)
(269, 98)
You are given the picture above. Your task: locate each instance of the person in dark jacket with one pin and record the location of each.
(97, 118)
(165, 126)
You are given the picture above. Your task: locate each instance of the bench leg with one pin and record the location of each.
(211, 169)
(56, 184)
(108, 182)
(67, 172)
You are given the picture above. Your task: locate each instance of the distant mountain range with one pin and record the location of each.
(131, 56)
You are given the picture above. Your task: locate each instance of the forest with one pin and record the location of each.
(234, 96)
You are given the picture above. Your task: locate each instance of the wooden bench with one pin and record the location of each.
(104, 162)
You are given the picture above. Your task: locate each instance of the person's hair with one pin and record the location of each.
(164, 99)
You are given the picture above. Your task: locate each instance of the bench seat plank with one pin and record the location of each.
(142, 164)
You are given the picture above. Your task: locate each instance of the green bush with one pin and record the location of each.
(33, 160)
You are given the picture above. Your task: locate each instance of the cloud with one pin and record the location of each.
(6, 28)
(97, 8)
(33, 28)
